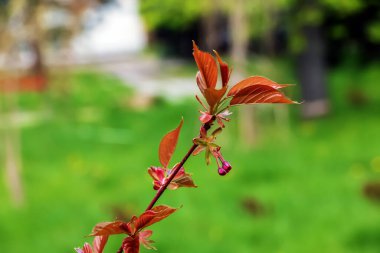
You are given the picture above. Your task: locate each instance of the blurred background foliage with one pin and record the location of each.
(88, 89)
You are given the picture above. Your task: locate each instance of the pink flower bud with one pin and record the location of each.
(226, 166)
(222, 171)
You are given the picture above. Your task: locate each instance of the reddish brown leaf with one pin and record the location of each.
(168, 145)
(157, 173)
(259, 94)
(213, 96)
(184, 181)
(144, 219)
(181, 179)
(200, 82)
(132, 225)
(131, 244)
(254, 80)
(224, 70)
(207, 67)
(199, 149)
(152, 216)
(110, 228)
(159, 176)
(99, 243)
(144, 239)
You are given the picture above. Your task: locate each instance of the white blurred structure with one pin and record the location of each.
(111, 31)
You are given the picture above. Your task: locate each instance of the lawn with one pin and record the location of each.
(298, 189)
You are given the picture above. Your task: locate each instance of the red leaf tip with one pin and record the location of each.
(195, 47)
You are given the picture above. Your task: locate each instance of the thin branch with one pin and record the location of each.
(160, 191)
(172, 175)
(174, 172)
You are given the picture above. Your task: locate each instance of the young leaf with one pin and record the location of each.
(259, 94)
(224, 70)
(99, 243)
(222, 116)
(153, 215)
(131, 244)
(207, 68)
(181, 179)
(159, 175)
(199, 149)
(200, 82)
(213, 96)
(168, 145)
(110, 228)
(205, 117)
(254, 80)
(86, 249)
(144, 239)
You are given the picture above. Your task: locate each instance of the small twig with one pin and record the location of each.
(177, 168)
(174, 172)
(170, 178)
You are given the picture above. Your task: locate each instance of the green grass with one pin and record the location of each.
(86, 157)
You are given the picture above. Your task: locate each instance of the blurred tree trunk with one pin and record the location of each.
(33, 14)
(269, 11)
(11, 143)
(38, 66)
(239, 31)
(311, 66)
(8, 103)
(13, 163)
(211, 26)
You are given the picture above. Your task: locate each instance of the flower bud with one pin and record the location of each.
(222, 171)
(156, 185)
(226, 166)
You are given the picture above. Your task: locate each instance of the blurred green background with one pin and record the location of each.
(89, 88)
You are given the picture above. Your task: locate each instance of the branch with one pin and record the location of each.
(160, 191)
(170, 178)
